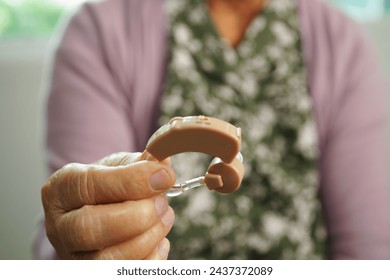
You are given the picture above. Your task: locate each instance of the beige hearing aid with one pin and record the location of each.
(206, 135)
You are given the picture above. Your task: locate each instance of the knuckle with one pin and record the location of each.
(79, 230)
(140, 215)
(146, 213)
(49, 196)
(86, 184)
(45, 195)
(84, 230)
(69, 175)
(80, 178)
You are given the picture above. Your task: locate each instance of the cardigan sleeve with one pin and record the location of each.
(350, 108)
(88, 103)
(104, 92)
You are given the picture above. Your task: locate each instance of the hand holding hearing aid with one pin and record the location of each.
(111, 209)
(115, 207)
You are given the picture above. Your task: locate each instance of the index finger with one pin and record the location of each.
(76, 185)
(125, 158)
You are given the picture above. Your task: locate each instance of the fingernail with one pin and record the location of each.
(161, 205)
(163, 248)
(168, 217)
(160, 180)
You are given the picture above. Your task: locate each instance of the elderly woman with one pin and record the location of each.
(298, 77)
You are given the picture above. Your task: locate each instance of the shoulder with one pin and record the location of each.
(112, 7)
(324, 15)
(114, 15)
(327, 30)
(335, 47)
(344, 77)
(112, 28)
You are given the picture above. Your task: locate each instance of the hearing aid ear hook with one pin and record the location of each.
(206, 135)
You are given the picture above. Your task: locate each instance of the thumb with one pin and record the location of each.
(76, 185)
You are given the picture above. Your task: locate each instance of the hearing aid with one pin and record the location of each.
(212, 136)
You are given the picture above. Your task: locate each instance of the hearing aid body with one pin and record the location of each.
(206, 135)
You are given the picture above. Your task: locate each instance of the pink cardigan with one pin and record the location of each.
(106, 88)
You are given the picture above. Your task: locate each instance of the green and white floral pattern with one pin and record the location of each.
(261, 87)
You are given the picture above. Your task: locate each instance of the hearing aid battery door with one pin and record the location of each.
(224, 177)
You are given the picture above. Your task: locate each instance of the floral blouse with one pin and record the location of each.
(261, 87)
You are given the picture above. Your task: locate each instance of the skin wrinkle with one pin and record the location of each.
(109, 194)
(96, 233)
(86, 179)
(149, 214)
(141, 245)
(121, 189)
(74, 220)
(52, 191)
(87, 237)
(59, 224)
(47, 189)
(77, 237)
(70, 176)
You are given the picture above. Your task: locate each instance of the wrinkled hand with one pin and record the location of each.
(113, 209)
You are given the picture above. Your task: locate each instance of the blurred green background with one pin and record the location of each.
(28, 18)
(38, 18)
